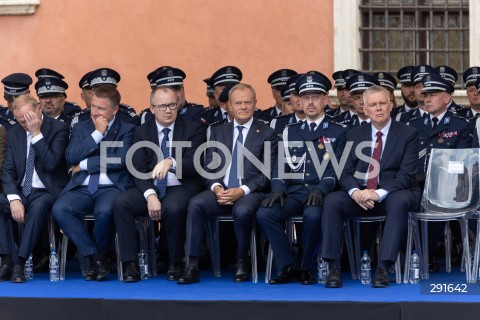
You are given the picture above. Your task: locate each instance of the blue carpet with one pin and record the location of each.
(224, 289)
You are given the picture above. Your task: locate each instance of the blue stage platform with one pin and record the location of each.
(221, 298)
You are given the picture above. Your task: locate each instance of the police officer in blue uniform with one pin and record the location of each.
(404, 76)
(470, 77)
(346, 110)
(441, 129)
(222, 77)
(69, 108)
(417, 75)
(299, 187)
(51, 93)
(277, 80)
(87, 93)
(451, 76)
(387, 81)
(223, 99)
(107, 76)
(356, 84)
(15, 85)
(343, 95)
(288, 92)
(173, 77)
(210, 93)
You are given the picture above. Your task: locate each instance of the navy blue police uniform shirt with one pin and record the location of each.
(299, 156)
(452, 132)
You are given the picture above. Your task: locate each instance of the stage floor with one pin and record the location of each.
(224, 289)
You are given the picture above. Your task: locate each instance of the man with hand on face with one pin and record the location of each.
(294, 196)
(232, 191)
(15, 84)
(99, 175)
(164, 194)
(34, 174)
(378, 180)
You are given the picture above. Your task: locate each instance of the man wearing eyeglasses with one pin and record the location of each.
(51, 92)
(172, 180)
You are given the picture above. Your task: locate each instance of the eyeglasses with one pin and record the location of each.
(163, 107)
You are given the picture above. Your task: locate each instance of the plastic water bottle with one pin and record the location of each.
(143, 264)
(28, 270)
(322, 270)
(54, 266)
(365, 269)
(414, 268)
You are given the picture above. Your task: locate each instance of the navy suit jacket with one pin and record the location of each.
(82, 146)
(50, 161)
(145, 159)
(398, 164)
(254, 142)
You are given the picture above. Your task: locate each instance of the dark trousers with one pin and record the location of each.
(205, 204)
(339, 205)
(37, 208)
(131, 204)
(272, 223)
(75, 204)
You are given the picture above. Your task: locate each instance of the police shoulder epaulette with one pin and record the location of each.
(195, 105)
(124, 105)
(72, 103)
(456, 115)
(263, 121)
(294, 124)
(217, 123)
(341, 125)
(210, 108)
(282, 116)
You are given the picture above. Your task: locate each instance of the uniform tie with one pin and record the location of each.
(372, 181)
(233, 180)
(313, 125)
(30, 167)
(435, 122)
(162, 183)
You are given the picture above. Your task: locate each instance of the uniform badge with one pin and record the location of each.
(294, 158)
(309, 79)
(184, 110)
(303, 126)
(360, 77)
(326, 156)
(422, 68)
(321, 146)
(216, 113)
(440, 140)
(325, 125)
(447, 120)
(425, 122)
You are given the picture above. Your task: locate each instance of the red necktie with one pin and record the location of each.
(372, 181)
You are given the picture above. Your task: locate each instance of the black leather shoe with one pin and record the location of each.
(91, 273)
(242, 271)
(5, 272)
(103, 266)
(334, 278)
(174, 271)
(131, 272)
(380, 280)
(307, 278)
(287, 275)
(18, 276)
(190, 275)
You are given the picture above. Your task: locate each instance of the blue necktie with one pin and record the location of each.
(162, 184)
(313, 125)
(94, 180)
(233, 181)
(30, 167)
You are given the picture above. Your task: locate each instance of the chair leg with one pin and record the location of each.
(466, 248)
(269, 264)
(119, 261)
(448, 248)
(425, 254)
(213, 229)
(51, 232)
(63, 256)
(358, 253)
(476, 256)
(351, 255)
(152, 246)
(398, 270)
(253, 254)
(408, 251)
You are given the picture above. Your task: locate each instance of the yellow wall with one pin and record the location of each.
(198, 36)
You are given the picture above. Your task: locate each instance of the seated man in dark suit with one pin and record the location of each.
(99, 174)
(302, 195)
(232, 191)
(164, 194)
(34, 173)
(378, 179)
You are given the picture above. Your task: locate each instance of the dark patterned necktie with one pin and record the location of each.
(162, 183)
(233, 180)
(372, 181)
(30, 167)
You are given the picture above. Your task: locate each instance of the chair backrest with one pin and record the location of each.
(452, 181)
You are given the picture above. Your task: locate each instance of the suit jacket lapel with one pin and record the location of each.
(22, 148)
(366, 136)
(252, 135)
(228, 135)
(389, 144)
(112, 131)
(178, 131)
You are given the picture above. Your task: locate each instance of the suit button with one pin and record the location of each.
(306, 184)
(307, 174)
(431, 144)
(308, 161)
